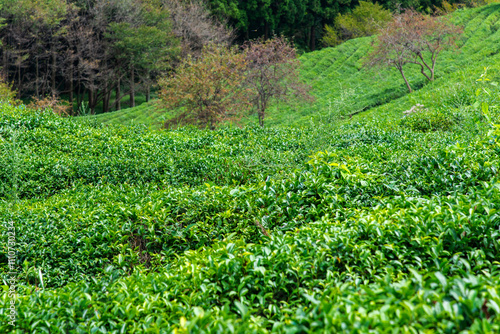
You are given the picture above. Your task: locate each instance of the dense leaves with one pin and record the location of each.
(366, 19)
(359, 227)
(437, 258)
(99, 51)
(208, 90)
(285, 230)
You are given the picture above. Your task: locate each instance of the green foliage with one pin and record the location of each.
(436, 258)
(144, 114)
(340, 72)
(365, 20)
(7, 93)
(157, 194)
(428, 120)
(86, 49)
(357, 227)
(307, 229)
(49, 12)
(331, 36)
(383, 96)
(148, 44)
(296, 19)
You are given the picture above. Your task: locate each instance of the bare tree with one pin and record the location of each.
(390, 49)
(193, 23)
(429, 36)
(273, 73)
(85, 60)
(414, 38)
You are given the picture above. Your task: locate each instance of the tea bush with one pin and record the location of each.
(428, 120)
(376, 269)
(314, 229)
(131, 214)
(52, 149)
(361, 227)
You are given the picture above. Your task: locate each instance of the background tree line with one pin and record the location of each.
(91, 50)
(304, 21)
(95, 52)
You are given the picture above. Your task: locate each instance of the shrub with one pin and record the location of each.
(7, 93)
(251, 230)
(331, 36)
(427, 120)
(207, 90)
(59, 107)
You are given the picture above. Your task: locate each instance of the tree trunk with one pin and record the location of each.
(404, 77)
(308, 36)
(71, 88)
(105, 100)
(79, 93)
(44, 82)
(5, 66)
(54, 63)
(313, 38)
(91, 101)
(19, 76)
(118, 97)
(432, 69)
(37, 85)
(148, 93)
(266, 30)
(132, 89)
(261, 116)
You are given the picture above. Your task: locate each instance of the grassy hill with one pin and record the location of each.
(342, 84)
(374, 225)
(145, 114)
(311, 229)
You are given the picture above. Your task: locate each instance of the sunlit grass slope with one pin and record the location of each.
(144, 114)
(317, 229)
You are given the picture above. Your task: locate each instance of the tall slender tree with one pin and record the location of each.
(273, 74)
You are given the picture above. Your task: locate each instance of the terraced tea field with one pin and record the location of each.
(376, 224)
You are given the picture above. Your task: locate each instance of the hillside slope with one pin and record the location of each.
(145, 114)
(321, 229)
(342, 84)
(286, 230)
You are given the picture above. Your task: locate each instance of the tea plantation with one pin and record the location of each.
(362, 225)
